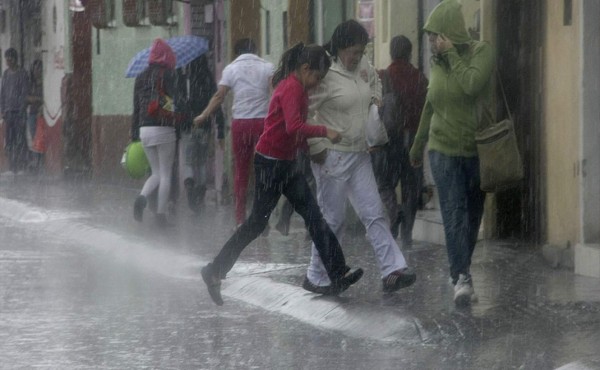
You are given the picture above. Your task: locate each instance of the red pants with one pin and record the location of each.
(244, 135)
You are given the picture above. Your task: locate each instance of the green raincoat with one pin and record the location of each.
(459, 88)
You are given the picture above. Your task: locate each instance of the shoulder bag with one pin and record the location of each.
(500, 165)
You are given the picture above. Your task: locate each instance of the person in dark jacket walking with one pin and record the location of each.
(195, 141)
(156, 131)
(391, 164)
(301, 68)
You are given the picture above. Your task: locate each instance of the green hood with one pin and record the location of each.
(447, 19)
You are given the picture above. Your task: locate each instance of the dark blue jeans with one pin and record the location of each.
(272, 179)
(461, 201)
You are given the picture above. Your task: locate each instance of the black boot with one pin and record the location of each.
(138, 208)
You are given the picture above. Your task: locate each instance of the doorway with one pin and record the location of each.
(520, 211)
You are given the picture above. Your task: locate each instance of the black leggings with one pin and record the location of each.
(272, 179)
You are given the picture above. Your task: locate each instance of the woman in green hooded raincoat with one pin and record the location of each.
(459, 88)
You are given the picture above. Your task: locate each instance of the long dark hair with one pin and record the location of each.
(345, 35)
(244, 46)
(314, 55)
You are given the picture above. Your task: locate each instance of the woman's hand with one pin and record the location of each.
(319, 158)
(416, 163)
(199, 120)
(443, 44)
(334, 136)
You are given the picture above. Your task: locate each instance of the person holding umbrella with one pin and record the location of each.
(155, 129)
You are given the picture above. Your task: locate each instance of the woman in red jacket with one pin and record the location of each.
(301, 68)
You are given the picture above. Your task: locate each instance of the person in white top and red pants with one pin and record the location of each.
(249, 76)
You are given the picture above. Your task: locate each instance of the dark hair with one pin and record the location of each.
(244, 46)
(202, 83)
(314, 55)
(11, 53)
(400, 48)
(345, 35)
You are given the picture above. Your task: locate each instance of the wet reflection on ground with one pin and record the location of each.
(138, 302)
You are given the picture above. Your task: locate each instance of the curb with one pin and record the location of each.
(333, 313)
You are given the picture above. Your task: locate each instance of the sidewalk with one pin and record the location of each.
(528, 315)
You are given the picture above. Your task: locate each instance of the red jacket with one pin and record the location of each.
(411, 86)
(286, 130)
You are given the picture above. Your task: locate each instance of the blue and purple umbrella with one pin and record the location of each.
(186, 49)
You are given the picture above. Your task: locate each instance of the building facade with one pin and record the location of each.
(547, 61)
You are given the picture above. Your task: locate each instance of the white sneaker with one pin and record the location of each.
(463, 290)
(8, 173)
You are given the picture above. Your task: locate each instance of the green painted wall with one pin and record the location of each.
(274, 34)
(112, 93)
(334, 13)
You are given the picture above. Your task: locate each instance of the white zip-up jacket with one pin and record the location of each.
(341, 102)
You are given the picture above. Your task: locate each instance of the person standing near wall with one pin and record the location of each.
(35, 100)
(460, 87)
(13, 101)
(408, 86)
(249, 76)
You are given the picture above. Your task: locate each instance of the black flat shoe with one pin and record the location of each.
(138, 208)
(213, 284)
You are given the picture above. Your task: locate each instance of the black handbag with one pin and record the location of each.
(500, 165)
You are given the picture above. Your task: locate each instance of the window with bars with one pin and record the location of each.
(135, 13)
(102, 13)
(162, 12)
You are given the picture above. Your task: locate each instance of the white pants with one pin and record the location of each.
(159, 146)
(350, 176)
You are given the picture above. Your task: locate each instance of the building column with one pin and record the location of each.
(587, 252)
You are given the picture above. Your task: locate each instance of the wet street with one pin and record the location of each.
(65, 306)
(84, 286)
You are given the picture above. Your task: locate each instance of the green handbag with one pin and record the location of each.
(134, 160)
(500, 165)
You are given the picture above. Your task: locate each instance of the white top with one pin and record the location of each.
(341, 102)
(249, 76)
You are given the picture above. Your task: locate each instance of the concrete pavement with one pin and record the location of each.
(528, 315)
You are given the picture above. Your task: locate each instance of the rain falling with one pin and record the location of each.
(299, 184)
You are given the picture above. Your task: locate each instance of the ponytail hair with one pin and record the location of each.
(314, 55)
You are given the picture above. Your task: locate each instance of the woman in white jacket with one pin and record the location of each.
(343, 171)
